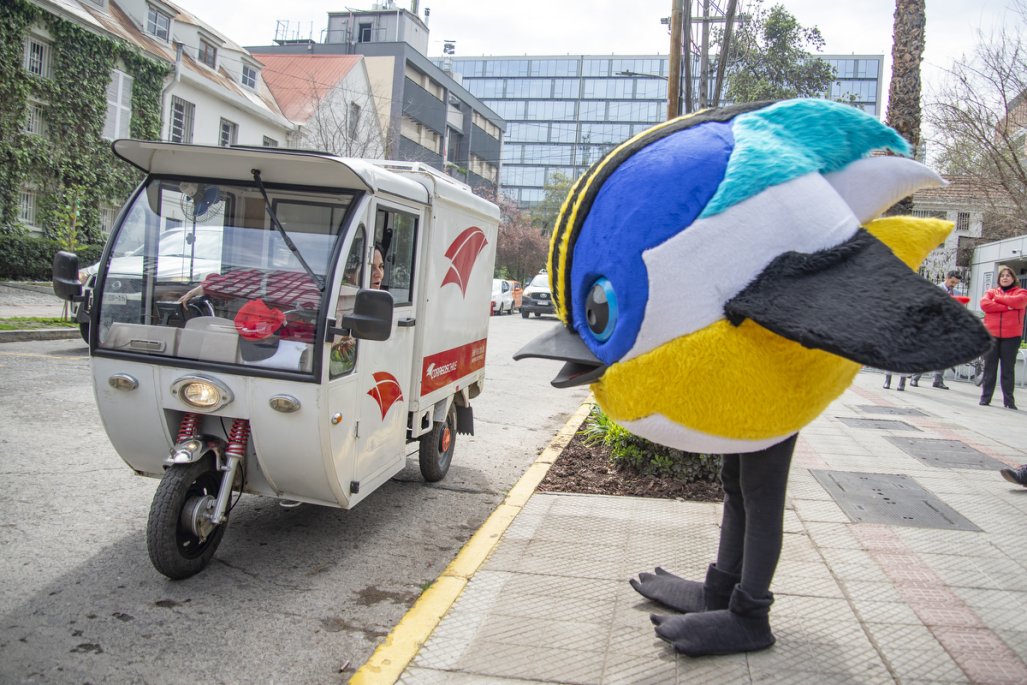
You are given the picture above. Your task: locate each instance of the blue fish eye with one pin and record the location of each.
(601, 309)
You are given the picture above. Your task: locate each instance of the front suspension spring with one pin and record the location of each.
(238, 438)
(188, 428)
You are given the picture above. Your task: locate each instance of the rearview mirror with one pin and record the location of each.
(371, 318)
(65, 276)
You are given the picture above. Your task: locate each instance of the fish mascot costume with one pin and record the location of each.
(721, 278)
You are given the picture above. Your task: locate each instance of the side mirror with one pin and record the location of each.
(371, 318)
(65, 276)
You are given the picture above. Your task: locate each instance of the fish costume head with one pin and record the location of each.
(722, 277)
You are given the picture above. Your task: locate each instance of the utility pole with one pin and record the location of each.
(674, 77)
(701, 42)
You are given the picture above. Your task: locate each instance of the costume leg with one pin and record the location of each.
(690, 595)
(990, 372)
(744, 626)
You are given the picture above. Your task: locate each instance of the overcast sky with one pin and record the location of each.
(557, 27)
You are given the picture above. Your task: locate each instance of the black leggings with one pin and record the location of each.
(1002, 351)
(753, 523)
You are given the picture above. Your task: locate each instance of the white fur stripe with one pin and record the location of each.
(694, 273)
(870, 186)
(662, 430)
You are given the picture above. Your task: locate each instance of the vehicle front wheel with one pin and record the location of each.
(180, 540)
(83, 330)
(436, 449)
(524, 314)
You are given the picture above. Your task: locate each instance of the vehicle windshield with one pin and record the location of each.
(198, 271)
(540, 281)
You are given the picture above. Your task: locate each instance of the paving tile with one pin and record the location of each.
(887, 612)
(932, 665)
(532, 663)
(822, 511)
(832, 535)
(1016, 640)
(658, 668)
(732, 668)
(860, 590)
(424, 676)
(790, 584)
(983, 656)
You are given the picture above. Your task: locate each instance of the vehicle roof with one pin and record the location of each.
(297, 167)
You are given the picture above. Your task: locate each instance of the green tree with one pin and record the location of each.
(543, 214)
(770, 58)
(521, 249)
(904, 89)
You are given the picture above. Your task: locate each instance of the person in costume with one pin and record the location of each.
(1003, 308)
(688, 354)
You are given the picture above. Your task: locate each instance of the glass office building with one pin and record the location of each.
(565, 112)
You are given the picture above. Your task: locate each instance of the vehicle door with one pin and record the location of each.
(384, 367)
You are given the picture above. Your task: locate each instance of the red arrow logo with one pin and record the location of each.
(386, 391)
(462, 254)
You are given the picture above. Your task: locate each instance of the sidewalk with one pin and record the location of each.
(922, 586)
(32, 300)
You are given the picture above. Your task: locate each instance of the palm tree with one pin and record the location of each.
(904, 90)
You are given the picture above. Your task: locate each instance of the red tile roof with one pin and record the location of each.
(298, 82)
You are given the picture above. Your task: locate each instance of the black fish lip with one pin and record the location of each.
(900, 322)
(562, 344)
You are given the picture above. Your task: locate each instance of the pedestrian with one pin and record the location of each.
(902, 381)
(1003, 308)
(952, 279)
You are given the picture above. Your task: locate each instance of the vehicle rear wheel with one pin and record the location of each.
(436, 449)
(179, 539)
(524, 314)
(538, 315)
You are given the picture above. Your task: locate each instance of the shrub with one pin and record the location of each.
(630, 451)
(29, 257)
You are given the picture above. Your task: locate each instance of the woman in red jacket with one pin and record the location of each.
(1003, 317)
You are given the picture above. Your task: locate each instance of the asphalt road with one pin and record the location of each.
(292, 596)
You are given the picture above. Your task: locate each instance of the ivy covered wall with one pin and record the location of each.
(71, 164)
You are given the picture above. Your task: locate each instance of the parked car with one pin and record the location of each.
(537, 299)
(184, 255)
(502, 296)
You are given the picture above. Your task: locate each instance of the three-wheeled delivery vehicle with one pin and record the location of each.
(282, 323)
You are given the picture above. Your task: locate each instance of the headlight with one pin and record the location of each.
(201, 392)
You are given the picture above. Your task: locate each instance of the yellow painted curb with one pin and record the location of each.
(401, 645)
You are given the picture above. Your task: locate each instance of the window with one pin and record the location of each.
(344, 352)
(397, 233)
(119, 106)
(27, 207)
(353, 120)
(37, 57)
(182, 115)
(208, 54)
(34, 122)
(963, 221)
(249, 76)
(365, 33)
(158, 24)
(229, 133)
(269, 142)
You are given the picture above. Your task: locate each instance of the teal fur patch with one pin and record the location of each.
(792, 138)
